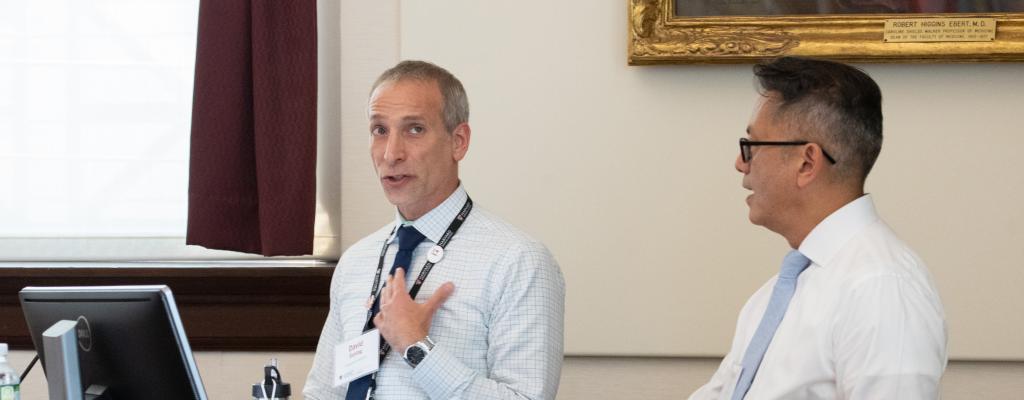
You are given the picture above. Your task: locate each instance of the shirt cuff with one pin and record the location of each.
(442, 375)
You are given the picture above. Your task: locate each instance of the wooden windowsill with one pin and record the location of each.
(239, 307)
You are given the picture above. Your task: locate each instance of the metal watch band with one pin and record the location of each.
(416, 352)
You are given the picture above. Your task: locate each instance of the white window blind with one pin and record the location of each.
(95, 113)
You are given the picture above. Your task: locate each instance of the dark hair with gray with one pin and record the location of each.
(456, 104)
(833, 104)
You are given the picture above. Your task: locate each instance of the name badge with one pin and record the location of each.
(356, 358)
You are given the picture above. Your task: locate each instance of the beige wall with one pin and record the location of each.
(369, 45)
(626, 173)
(603, 161)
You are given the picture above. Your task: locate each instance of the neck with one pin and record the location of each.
(415, 211)
(816, 211)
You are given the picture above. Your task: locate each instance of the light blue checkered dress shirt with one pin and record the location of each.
(499, 336)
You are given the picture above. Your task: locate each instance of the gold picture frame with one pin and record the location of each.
(658, 36)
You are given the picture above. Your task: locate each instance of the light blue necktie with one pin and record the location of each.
(792, 266)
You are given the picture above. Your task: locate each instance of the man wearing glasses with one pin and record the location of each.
(853, 312)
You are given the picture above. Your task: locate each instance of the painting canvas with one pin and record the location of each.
(702, 8)
(744, 31)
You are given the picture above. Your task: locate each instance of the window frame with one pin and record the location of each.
(227, 300)
(223, 306)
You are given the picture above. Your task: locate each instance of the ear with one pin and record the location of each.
(812, 165)
(460, 141)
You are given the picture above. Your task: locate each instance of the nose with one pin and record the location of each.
(394, 150)
(742, 167)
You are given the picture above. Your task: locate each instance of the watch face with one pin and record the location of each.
(414, 354)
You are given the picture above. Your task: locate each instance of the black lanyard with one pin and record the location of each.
(374, 291)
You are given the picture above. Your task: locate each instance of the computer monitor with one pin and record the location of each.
(129, 338)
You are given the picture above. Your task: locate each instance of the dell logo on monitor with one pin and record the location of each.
(84, 334)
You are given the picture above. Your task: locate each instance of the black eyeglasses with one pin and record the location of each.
(746, 144)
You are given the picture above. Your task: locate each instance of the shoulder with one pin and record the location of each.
(507, 253)
(520, 270)
(877, 264)
(878, 251)
(489, 231)
(367, 247)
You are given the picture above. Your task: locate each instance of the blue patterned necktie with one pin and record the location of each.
(408, 239)
(792, 266)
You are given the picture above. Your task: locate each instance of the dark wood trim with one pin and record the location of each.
(222, 308)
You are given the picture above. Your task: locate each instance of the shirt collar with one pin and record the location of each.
(434, 223)
(832, 233)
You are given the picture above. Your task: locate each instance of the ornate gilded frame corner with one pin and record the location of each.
(658, 36)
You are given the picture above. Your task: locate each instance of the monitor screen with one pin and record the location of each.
(130, 338)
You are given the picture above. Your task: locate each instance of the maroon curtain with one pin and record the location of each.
(252, 172)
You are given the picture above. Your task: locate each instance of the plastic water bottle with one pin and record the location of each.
(10, 385)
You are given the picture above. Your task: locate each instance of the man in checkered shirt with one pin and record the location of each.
(488, 320)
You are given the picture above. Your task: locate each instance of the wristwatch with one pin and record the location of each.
(416, 352)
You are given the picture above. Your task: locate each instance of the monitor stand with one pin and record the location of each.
(63, 375)
(96, 392)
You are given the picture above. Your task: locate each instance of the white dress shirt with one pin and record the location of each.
(499, 336)
(865, 321)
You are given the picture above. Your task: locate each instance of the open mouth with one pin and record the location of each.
(396, 178)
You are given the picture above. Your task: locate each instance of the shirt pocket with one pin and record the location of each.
(353, 311)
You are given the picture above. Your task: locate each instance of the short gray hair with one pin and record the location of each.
(837, 104)
(453, 95)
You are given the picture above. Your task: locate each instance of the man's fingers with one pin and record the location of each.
(385, 295)
(378, 320)
(440, 296)
(398, 280)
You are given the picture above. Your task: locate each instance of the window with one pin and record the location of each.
(95, 114)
